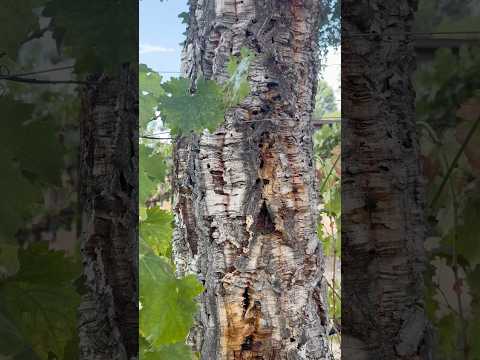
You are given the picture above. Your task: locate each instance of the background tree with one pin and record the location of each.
(325, 102)
(383, 226)
(39, 296)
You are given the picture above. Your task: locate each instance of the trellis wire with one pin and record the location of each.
(323, 121)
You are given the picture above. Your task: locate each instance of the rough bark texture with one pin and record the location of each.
(245, 199)
(382, 217)
(108, 327)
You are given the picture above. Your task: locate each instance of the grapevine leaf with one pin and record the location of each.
(153, 162)
(177, 351)
(447, 333)
(101, 35)
(11, 340)
(41, 296)
(150, 91)
(184, 16)
(150, 81)
(32, 156)
(467, 244)
(148, 105)
(168, 303)
(157, 229)
(146, 187)
(153, 168)
(184, 112)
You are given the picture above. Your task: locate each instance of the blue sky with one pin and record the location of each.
(161, 34)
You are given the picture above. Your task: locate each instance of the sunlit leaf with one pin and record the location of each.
(168, 303)
(157, 229)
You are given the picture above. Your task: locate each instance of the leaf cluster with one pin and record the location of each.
(444, 89)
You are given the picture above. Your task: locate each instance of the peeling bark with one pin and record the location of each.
(108, 327)
(383, 229)
(245, 199)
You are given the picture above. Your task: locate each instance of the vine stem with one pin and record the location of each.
(329, 174)
(454, 163)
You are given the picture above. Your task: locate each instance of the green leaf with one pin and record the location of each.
(150, 81)
(153, 162)
(237, 86)
(146, 187)
(467, 244)
(150, 89)
(18, 20)
(157, 230)
(100, 35)
(168, 303)
(184, 16)
(324, 101)
(41, 296)
(153, 168)
(32, 158)
(177, 351)
(184, 112)
(11, 339)
(447, 333)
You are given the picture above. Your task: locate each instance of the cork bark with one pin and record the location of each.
(383, 228)
(108, 325)
(245, 196)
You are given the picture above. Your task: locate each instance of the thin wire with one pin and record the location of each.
(38, 81)
(323, 121)
(413, 33)
(37, 72)
(179, 72)
(20, 77)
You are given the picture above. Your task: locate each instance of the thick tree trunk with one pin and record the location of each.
(245, 197)
(108, 327)
(382, 198)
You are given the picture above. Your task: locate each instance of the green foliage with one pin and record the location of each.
(177, 351)
(325, 104)
(31, 154)
(153, 164)
(330, 25)
(325, 140)
(157, 229)
(447, 16)
(443, 88)
(100, 35)
(19, 21)
(184, 112)
(149, 94)
(168, 304)
(40, 296)
(327, 155)
(448, 82)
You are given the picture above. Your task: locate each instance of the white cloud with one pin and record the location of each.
(149, 49)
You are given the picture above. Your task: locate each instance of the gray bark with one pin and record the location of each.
(383, 228)
(108, 325)
(245, 197)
